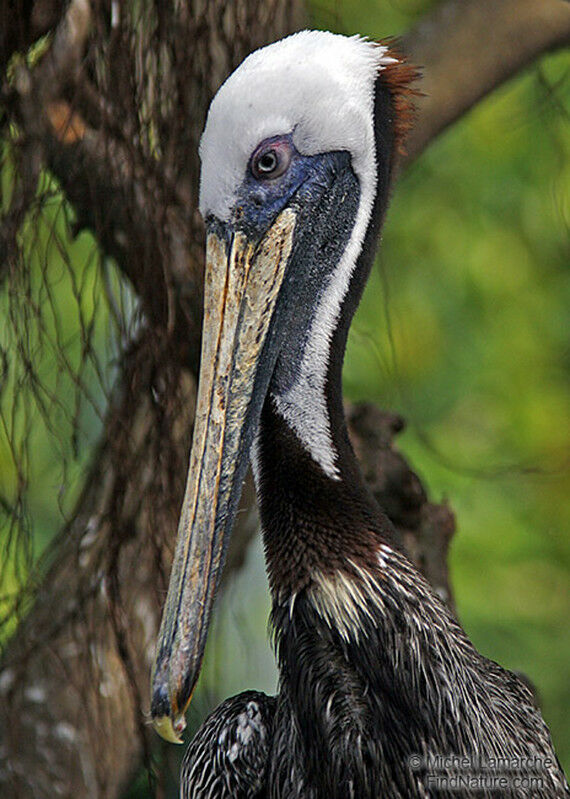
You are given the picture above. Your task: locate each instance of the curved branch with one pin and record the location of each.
(466, 48)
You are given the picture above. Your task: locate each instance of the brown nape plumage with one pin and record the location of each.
(381, 693)
(401, 79)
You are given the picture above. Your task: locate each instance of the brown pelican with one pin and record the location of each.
(377, 678)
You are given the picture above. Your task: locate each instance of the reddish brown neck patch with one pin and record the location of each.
(400, 78)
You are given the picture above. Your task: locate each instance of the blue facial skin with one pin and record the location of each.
(306, 178)
(324, 192)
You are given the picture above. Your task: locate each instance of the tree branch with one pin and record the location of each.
(424, 528)
(466, 48)
(71, 686)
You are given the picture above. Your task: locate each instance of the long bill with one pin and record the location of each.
(242, 283)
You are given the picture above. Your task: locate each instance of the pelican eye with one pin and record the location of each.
(268, 162)
(271, 160)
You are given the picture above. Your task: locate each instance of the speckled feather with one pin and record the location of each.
(228, 757)
(350, 714)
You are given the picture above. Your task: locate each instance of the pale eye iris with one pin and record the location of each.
(268, 162)
(271, 160)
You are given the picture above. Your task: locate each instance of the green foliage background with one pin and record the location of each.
(464, 329)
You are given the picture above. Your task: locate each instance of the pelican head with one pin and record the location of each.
(296, 157)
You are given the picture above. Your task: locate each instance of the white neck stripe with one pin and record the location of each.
(304, 405)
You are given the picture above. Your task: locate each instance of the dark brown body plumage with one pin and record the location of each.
(362, 696)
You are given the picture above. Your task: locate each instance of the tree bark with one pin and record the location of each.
(74, 679)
